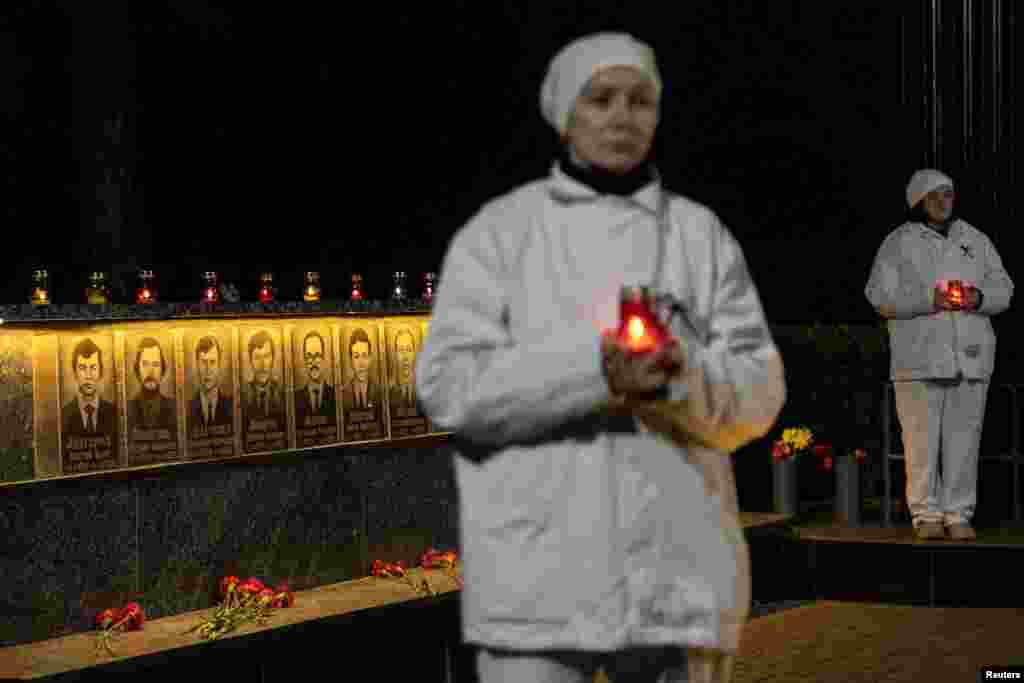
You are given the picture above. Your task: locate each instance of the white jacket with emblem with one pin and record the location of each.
(581, 529)
(925, 343)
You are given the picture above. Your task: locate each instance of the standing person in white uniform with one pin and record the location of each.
(943, 352)
(588, 541)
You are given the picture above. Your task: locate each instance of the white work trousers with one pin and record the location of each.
(634, 665)
(941, 416)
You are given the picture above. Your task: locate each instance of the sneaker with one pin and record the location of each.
(928, 531)
(961, 532)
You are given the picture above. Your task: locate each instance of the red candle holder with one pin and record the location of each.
(357, 287)
(266, 288)
(955, 291)
(210, 294)
(145, 293)
(428, 287)
(312, 288)
(639, 326)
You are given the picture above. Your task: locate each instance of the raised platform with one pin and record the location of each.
(811, 557)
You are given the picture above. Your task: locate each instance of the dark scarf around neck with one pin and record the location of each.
(606, 182)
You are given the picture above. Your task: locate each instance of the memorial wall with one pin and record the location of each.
(85, 396)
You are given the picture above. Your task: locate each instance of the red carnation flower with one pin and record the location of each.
(107, 617)
(227, 584)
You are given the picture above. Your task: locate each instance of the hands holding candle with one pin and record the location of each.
(639, 373)
(955, 295)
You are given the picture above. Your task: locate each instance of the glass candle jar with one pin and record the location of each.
(96, 291)
(428, 287)
(145, 292)
(955, 290)
(210, 293)
(311, 289)
(639, 326)
(398, 292)
(266, 288)
(41, 287)
(357, 287)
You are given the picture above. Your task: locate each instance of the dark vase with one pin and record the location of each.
(786, 486)
(847, 498)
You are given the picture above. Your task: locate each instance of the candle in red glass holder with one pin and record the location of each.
(312, 290)
(266, 288)
(357, 287)
(40, 287)
(428, 287)
(210, 293)
(639, 326)
(955, 289)
(145, 293)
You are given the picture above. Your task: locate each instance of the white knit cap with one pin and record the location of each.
(923, 182)
(576, 63)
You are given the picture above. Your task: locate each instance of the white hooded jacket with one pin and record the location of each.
(928, 344)
(580, 529)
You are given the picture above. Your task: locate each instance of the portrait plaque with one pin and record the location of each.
(90, 425)
(151, 407)
(210, 392)
(313, 397)
(17, 420)
(403, 339)
(424, 331)
(264, 412)
(361, 391)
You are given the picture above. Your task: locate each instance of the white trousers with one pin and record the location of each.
(941, 417)
(635, 665)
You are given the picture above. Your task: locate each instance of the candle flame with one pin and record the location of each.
(636, 328)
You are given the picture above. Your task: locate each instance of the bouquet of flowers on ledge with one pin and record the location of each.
(131, 617)
(430, 559)
(242, 602)
(794, 441)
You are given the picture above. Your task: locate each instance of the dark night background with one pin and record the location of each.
(287, 137)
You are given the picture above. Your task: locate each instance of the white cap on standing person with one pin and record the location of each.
(923, 182)
(576, 63)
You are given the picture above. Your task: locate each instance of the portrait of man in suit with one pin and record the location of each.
(362, 395)
(150, 409)
(402, 393)
(360, 392)
(210, 406)
(88, 413)
(316, 397)
(264, 401)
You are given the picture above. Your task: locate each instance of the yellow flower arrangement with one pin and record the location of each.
(794, 441)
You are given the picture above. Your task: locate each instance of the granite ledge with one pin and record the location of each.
(76, 652)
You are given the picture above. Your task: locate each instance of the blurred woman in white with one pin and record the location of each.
(588, 540)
